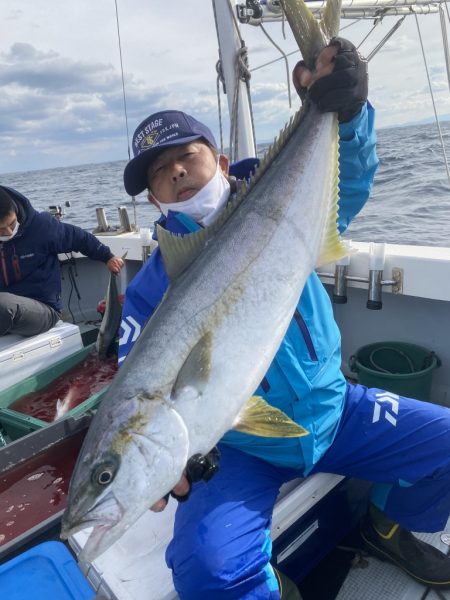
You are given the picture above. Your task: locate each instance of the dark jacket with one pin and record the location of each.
(29, 264)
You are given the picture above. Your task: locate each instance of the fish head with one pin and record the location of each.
(122, 471)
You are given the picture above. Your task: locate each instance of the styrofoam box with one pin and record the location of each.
(22, 357)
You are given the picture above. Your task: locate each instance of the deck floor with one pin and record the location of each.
(383, 581)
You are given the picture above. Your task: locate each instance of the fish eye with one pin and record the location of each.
(104, 474)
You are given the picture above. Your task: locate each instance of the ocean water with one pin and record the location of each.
(409, 204)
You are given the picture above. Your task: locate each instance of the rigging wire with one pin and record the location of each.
(376, 22)
(389, 34)
(271, 62)
(351, 24)
(286, 62)
(296, 51)
(133, 198)
(432, 99)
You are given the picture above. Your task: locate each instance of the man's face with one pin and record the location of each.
(8, 223)
(180, 172)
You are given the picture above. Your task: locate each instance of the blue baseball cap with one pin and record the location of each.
(157, 132)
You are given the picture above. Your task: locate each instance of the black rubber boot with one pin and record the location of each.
(389, 541)
(288, 589)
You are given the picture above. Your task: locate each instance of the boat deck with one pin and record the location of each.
(135, 565)
(377, 580)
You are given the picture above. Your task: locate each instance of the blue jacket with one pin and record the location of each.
(29, 264)
(304, 379)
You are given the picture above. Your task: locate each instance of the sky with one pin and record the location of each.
(61, 100)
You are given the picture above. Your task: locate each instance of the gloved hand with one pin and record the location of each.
(343, 90)
(200, 467)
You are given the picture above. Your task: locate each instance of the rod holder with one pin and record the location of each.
(375, 281)
(340, 280)
(124, 219)
(376, 266)
(146, 240)
(101, 219)
(374, 296)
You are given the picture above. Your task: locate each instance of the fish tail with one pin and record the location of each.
(310, 34)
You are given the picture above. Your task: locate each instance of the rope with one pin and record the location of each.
(397, 351)
(133, 199)
(432, 100)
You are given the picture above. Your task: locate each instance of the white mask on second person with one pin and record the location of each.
(205, 205)
(6, 238)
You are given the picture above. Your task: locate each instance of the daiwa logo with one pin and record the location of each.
(131, 329)
(389, 413)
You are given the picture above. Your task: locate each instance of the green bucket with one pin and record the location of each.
(404, 369)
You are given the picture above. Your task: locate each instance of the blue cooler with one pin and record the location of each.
(46, 572)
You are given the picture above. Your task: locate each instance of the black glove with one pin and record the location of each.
(200, 467)
(345, 90)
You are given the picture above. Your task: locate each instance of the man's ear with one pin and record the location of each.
(224, 163)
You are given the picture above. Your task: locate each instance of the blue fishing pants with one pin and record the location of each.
(221, 546)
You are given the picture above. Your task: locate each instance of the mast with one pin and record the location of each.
(228, 36)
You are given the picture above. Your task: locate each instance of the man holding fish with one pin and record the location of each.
(310, 420)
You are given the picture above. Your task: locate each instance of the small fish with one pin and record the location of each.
(65, 404)
(233, 290)
(110, 325)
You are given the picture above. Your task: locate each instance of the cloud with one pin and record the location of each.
(62, 100)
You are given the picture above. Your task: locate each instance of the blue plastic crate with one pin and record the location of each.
(46, 572)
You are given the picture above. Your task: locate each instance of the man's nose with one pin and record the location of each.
(178, 171)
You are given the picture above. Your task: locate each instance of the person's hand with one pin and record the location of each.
(114, 264)
(200, 467)
(339, 83)
(181, 490)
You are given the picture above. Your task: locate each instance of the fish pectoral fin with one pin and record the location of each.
(196, 369)
(258, 417)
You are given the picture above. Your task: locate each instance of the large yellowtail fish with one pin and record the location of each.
(233, 290)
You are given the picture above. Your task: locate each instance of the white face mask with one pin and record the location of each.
(205, 205)
(6, 238)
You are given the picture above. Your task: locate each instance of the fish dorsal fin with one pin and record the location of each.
(332, 247)
(196, 369)
(257, 417)
(179, 251)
